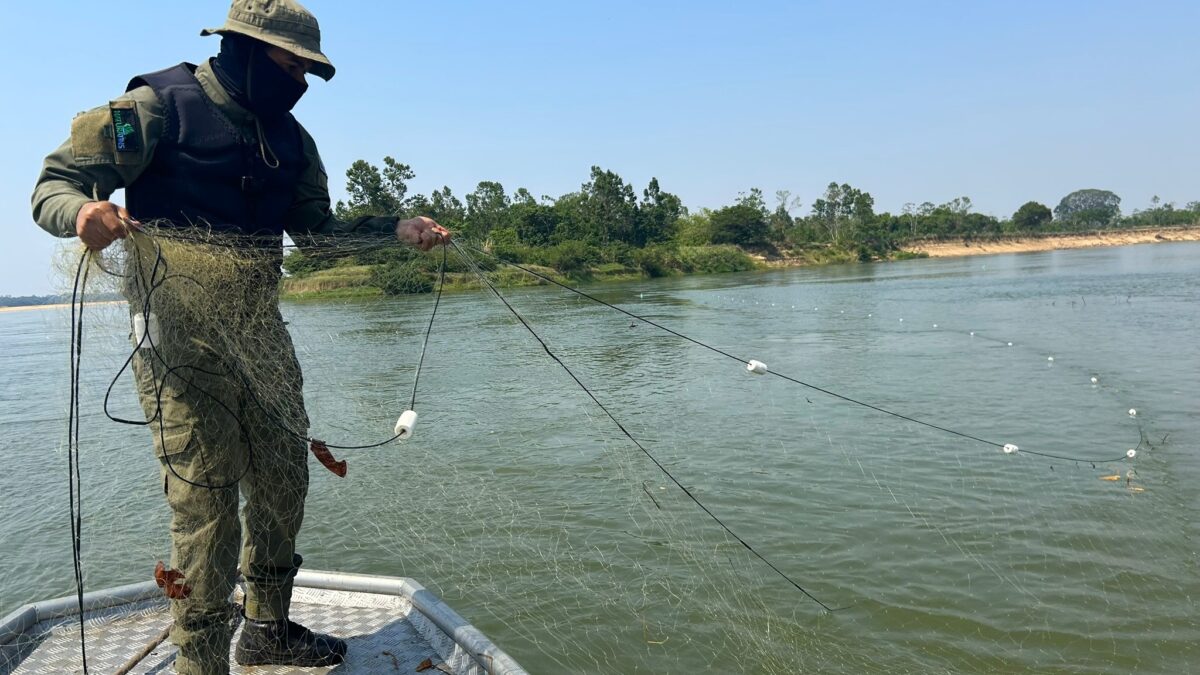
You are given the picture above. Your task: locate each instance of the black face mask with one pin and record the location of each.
(253, 80)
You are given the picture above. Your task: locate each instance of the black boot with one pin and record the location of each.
(286, 643)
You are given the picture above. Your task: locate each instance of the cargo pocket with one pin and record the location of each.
(206, 453)
(171, 447)
(170, 442)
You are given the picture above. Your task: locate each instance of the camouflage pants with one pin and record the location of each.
(218, 440)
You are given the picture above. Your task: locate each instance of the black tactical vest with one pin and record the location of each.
(204, 173)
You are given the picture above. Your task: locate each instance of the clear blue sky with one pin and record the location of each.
(913, 101)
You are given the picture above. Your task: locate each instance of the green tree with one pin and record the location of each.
(658, 214)
(755, 200)
(1032, 217)
(533, 223)
(372, 192)
(608, 208)
(523, 196)
(695, 229)
(570, 219)
(442, 206)
(447, 209)
(743, 224)
(780, 220)
(1089, 208)
(872, 238)
(487, 208)
(842, 208)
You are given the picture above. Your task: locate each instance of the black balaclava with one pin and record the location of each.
(253, 80)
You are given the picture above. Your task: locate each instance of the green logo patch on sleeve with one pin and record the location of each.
(126, 130)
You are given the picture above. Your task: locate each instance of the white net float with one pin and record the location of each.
(756, 367)
(142, 326)
(1131, 453)
(404, 425)
(1009, 448)
(1095, 380)
(1133, 412)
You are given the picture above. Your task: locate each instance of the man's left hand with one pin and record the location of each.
(421, 232)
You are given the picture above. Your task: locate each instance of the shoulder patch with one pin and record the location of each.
(91, 137)
(127, 133)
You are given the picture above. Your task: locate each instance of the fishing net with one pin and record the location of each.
(747, 504)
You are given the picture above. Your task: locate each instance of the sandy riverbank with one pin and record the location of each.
(61, 305)
(1026, 244)
(358, 286)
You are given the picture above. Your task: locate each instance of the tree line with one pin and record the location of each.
(609, 222)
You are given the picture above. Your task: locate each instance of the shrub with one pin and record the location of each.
(390, 252)
(740, 224)
(617, 252)
(656, 261)
(694, 229)
(401, 278)
(713, 259)
(570, 256)
(299, 264)
(513, 252)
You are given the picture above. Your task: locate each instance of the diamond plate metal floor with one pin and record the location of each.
(385, 635)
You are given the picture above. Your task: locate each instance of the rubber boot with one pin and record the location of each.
(286, 643)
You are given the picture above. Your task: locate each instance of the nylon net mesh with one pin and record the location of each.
(521, 503)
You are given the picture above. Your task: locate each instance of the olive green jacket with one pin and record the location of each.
(87, 167)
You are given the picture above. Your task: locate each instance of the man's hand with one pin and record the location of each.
(421, 232)
(101, 223)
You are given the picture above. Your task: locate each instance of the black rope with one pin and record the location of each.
(483, 278)
(158, 276)
(74, 483)
(789, 378)
(437, 301)
(429, 328)
(147, 287)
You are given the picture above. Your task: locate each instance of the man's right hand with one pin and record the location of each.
(101, 223)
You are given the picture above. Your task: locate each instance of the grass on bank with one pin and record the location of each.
(569, 263)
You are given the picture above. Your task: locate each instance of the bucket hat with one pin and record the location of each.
(283, 23)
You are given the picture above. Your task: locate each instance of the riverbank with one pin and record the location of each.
(59, 305)
(1052, 242)
(354, 281)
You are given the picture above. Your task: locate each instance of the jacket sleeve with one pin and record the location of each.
(310, 213)
(108, 149)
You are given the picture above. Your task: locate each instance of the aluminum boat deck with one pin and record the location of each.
(392, 625)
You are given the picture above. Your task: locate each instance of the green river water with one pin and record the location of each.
(525, 508)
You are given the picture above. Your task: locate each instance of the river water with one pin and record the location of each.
(524, 506)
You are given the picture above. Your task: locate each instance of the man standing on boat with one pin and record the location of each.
(217, 144)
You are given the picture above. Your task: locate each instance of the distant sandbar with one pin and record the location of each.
(60, 305)
(1052, 242)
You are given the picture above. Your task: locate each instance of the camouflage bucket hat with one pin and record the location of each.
(282, 23)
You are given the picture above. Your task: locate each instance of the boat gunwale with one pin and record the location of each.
(482, 650)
